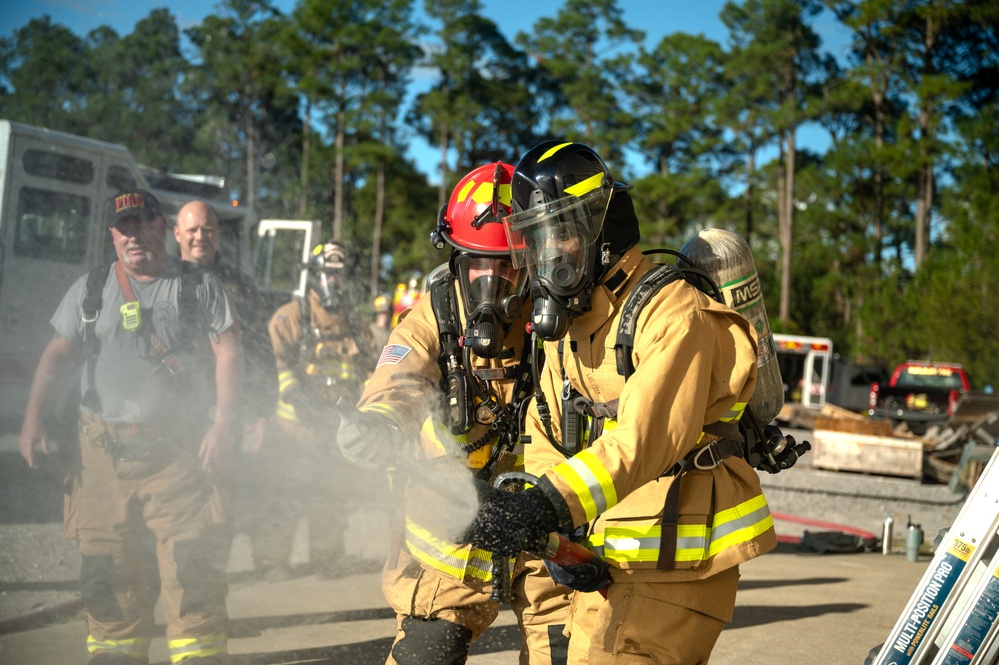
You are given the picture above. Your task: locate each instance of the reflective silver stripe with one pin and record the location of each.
(695, 542)
(453, 560)
(590, 482)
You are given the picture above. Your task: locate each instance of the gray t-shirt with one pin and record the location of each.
(130, 379)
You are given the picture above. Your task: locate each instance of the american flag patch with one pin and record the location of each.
(392, 354)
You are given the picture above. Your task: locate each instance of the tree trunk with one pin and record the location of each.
(376, 236)
(338, 144)
(750, 183)
(925, 203)
(663, 204)
(251, 164)
(303, 174)
(785, 204)
(442, 188)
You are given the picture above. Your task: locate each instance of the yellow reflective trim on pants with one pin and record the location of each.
(286, 379)
(196, 647)
(457, 561)
(134, 647)
(286, 411)
(590, 481)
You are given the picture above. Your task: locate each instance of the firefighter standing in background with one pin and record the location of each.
(198, 235)
(673, 556)
(465, 402)
(381, 327)
(322, 354)
(143, 328)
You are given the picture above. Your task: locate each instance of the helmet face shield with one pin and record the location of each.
(556, 242)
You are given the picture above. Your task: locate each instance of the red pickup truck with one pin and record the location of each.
(919, 394)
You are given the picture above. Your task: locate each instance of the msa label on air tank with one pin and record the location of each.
(742, 293)
(927, 606)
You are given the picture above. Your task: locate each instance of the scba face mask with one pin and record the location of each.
(329, 285)
(492, 293)
(557, 244)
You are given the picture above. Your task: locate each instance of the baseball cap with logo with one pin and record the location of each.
(134, 203)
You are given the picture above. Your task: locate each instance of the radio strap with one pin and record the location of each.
(130, 312)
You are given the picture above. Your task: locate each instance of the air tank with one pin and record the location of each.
(726, 257)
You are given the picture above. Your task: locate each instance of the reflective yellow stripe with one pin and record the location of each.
(552, 151)
(438, 433)
(740, 524)
(695, 542)
(196, 647)
(585, 186)
(135, 647)
(286, 411)
(590, 481)
(389, 412)
(286, 379)
(457, 561)
(735, 413)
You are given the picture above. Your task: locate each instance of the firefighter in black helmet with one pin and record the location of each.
(617, 477)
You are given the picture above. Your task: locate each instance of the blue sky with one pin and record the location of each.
(656, 17)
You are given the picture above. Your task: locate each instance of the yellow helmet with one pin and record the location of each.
(382, 304)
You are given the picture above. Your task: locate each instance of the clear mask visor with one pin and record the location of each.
(556, 241)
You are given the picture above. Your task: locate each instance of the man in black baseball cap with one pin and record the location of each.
(134, 203)
(145, 468)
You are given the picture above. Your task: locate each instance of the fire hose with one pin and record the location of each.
(555, 548)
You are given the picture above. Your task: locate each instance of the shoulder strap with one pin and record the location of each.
(454, 381)
(93, 300)
(188, 309)
(648, 285)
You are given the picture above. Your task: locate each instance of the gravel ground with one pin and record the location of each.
(39, 569)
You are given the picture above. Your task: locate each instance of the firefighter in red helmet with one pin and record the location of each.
(467, 337)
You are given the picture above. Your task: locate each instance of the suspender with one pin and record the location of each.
(93, 301)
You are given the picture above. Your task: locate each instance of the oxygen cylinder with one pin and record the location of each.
(725, 256)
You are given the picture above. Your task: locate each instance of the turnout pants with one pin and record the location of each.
(116, 507)
(438, 617)
(651, 623)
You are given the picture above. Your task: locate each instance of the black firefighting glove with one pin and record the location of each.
(369, 440)
(780, 451)
(593, 575)
(508, 523)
